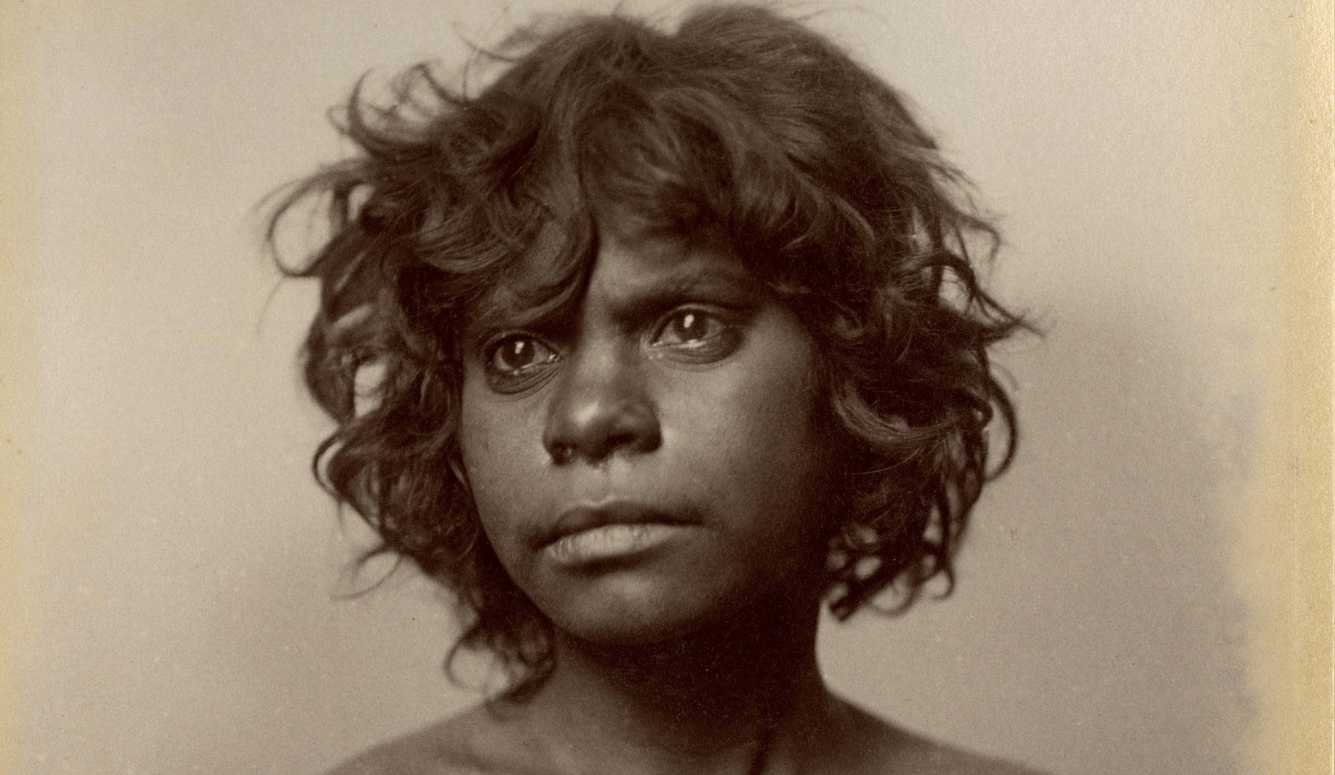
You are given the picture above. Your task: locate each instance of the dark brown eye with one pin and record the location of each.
(515, 354)
(689, 326)
(695, 335)
(512, 362)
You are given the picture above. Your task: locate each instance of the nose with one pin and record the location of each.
(600, 408)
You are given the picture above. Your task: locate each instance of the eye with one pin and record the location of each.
(696, 335)
(516, 361)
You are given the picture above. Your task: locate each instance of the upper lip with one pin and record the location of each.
(583, 517)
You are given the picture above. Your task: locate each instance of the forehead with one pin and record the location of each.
(547, 280)
(636, 263)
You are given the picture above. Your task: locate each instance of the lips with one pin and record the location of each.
(589, 534)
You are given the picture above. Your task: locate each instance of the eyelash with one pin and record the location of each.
(506, 379)
(720, 338)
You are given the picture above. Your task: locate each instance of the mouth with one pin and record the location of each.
(591, 534)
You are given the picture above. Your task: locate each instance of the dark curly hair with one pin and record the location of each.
(740, 121)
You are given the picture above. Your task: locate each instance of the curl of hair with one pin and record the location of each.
(741, 121)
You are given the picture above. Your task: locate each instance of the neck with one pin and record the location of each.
(708, 701)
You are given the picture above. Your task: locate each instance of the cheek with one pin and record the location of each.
(777, 404)
(784, 454)
(475, 440)
(761, 441)
(490, 442)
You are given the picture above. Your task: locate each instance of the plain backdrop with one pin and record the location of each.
(178, 598)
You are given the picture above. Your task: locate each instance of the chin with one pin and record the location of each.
(632, 621)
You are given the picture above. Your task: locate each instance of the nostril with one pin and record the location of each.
(644, 438)
(600, 406)
(602, 430)
(561, 453)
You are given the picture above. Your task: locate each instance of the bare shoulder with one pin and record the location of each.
(853, 742)
(456, 746)
(885, 749)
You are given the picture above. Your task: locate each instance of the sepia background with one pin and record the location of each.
(1130, 597)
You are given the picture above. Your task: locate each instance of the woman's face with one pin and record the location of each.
(650, 461)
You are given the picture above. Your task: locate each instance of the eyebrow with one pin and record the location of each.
(684, 282)
(501, 309)
(691, 277)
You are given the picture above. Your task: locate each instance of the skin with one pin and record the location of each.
(677, 387)
(676, 390)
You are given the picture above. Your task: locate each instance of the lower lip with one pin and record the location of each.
(611, 542)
